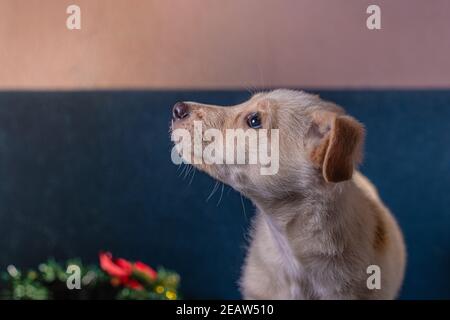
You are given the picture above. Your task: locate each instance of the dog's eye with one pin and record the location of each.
(254, 120)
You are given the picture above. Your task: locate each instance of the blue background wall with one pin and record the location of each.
(82, 172)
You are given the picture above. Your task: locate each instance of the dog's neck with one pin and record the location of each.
(307, 226)
(314, 221)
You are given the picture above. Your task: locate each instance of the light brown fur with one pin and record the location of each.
(320, 223)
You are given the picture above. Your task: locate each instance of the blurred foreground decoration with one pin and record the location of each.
(113, 279)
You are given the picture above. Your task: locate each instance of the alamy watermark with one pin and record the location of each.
(374, 280)
(236, 146)
(73, 21)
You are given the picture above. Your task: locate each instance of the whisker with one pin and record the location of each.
(221, 194)
(216, 185)
(251, 89)
(243, 207)
(186, 174)
(183, 168)
(192, 176)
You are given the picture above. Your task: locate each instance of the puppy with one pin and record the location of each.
(321, 231)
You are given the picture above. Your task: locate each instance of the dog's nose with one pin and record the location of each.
(180, 110)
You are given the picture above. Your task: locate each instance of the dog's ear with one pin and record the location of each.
(335, 144)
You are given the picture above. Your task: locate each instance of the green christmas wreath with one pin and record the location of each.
(113, 279)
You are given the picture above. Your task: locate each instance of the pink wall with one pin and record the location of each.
(223, 43)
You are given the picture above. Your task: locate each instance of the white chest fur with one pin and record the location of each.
(290, 268)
